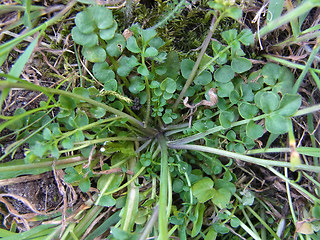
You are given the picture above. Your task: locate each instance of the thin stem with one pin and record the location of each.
(163, 197)
(306, 6)
(26, 85)
(192, 75)
(258, 161)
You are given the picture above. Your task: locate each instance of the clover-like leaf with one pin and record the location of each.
(226, 118)
(151, 52)
(132, 45)
(147, 35)
(269, 102)
(203, 79)
(156, 42)
(98, 112)
(143, 70)
(277, 124)
(102, 72)
(271, 72)
(221, 197)
(110, 85)
(240, 64)
(89, 39)
(234, 12)
(84, 22)
(168, 85)
(289, 104)
(224, 89)
(248, 110)
(126, 65)
(94, 54)
(102, 16)
(108, 34)
(246, 37)
(116, 45)
(254, 131)
(224, 74)
(229, 35)
(203, 190)
(67, 102)
(85, 184)
(136, 85)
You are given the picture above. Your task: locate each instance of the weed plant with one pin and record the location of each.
(157, 140)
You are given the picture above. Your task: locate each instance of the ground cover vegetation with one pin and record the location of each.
(160, 120)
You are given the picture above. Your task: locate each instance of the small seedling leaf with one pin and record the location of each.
(221, 197)
(132, 45)
(248, 110)
(186, 67)
(277, 124)
(98, 112)
(94, 54)
(269, 102)
(151, 52)
(136, 85)
(203, 79)
(88, 40)
(147, 35)
(246, 37)
(85, 184)
(254, 131)
(203, 190)
(126, 65)
(108, 34)
(168, 85)
(224, 74)
(226, 119)
(102, 16)
(234, 12)
(240, 64)
(143, 70)
(84, 22)
(289, 104)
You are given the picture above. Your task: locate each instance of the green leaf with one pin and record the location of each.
(226, 118)
(132, 45)
(147, 35)
(186, 67)
(224, 74)
(151, 52)
(126, 65)
(289, 104)
(277, 124)
(231, 135)
(67, 102)
(67, 143)
(316, 212)
(234, 12)
(271, 72)
(224, 89)
(269, 102)
(229, 35)
(177, 185)
(110, 85)
(203, 79)
(94, 54)
(102, 72)
(203, 190)
(82, 92)
(168, 85)
(240, 64)
(248, 198)
(254, 131)
(85, 22)
(275, 9)
(102, 16)
(221, 197)
(136, 85)
(85, 184)
(247, 110)
(234, 97)
(47, 135)
(143, 70)
(197, 224)
(89, 39)
(156, 42)
(224, 184)
(116, 45)
(108, 34)
(107, 201)
(98, 112)
(71, 175)
(246, 37)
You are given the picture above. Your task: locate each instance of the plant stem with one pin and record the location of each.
(258, 161)
(26, 85)
(306, 6)
(163, 218)
(205, 44)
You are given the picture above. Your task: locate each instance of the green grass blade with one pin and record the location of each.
(27, 17)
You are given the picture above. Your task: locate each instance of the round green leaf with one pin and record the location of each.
(269, 102)
(226, 119)
(246, 37)
(224, 89)
(143, 70)
(111, 85)
(108, 34)
(85, 184)
(234, 12)
(98, 112)
(168, 85)
(156, 43)
(231, 136)
(67, 102)
(116, 45)
(132, 45)
(203, 79)
(289, 104)
(224, 74)
(102, 72)
(240, 64)
(84, 22)
(277, 124)
(94, 54)
(126, 65)
(102, 16)
(88, 40)
(186, 67)
(147, 35)
(151, 52)
(254, 131)
(234, 97)
(82, 92)
(203, 190)
(136, 85)
(47, 135)
(247, 110)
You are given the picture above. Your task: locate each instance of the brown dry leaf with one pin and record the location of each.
(304, 227)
